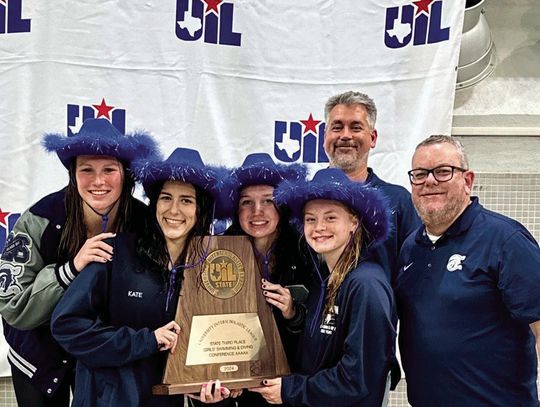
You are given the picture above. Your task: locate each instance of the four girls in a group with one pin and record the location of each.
(117, 318)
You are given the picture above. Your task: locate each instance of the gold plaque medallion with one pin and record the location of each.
(223, 274)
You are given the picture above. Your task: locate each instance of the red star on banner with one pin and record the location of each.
(3, 217)
(212, 5)
(103, 109)
(422, 5)
(310, 124)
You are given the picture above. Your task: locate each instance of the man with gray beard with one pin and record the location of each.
(467, 292)
(349, 136)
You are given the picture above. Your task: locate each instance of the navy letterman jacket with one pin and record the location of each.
(31, 283)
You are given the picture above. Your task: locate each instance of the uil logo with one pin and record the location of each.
(211, 20)
(419, 22)
(454, 262)
(300, 140)
(223, 274)
(77, 114)
(11, 20)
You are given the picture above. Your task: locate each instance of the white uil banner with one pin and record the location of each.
(226, 77)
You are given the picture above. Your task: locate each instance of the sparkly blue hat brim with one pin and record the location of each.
(369, 204)
(98, 137)
(263, 174)
(212, 179)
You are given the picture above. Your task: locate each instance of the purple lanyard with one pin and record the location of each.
(104, 221)
(172, 279)
(323, 287)
(265, 260)
(174, 270)
(104, 216)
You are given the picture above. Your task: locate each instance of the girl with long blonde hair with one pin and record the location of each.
(347, 347)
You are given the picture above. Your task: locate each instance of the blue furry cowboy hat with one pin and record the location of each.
(100, 137)
(370, 205)
(185, 165)
(260, 169)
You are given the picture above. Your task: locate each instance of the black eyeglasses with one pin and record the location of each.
(441, 174)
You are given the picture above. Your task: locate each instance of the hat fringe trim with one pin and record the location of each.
(128, 147)
(368, 203)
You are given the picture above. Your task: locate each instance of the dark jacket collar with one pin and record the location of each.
(372, 178)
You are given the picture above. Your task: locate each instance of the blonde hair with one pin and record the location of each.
(347, 261)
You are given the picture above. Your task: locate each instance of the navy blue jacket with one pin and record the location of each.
(33, 282)
(106, 321)
(346, 356)
(465, 304)
(404, 219)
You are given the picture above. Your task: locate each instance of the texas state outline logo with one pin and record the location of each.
(300, 140)
(11, 19)
(209, 20)
(417, 23)
(77, 114)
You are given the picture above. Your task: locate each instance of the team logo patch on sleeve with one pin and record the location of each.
(9, 286)
(454, 262)
(17, 248)
(16, 253)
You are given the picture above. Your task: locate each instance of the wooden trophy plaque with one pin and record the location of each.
(228, 331)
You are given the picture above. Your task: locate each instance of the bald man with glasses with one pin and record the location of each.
(468, 292)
